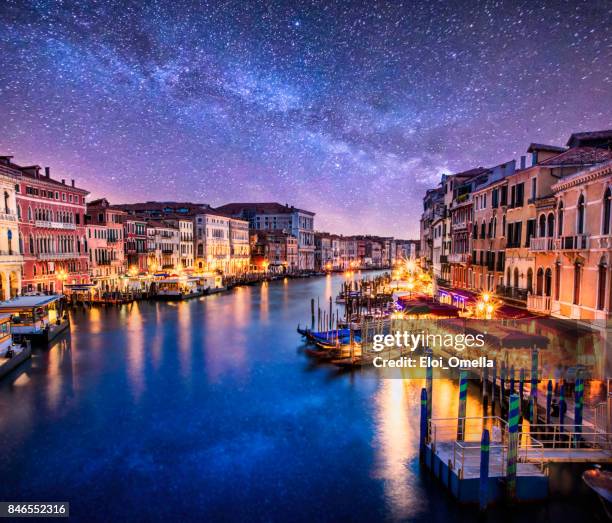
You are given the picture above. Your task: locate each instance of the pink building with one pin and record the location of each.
(52, 234)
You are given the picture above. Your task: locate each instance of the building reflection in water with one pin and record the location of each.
(227, 331)
(135, 351)
(185, 341)
(397, 427)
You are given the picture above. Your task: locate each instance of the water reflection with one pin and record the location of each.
(206, 409)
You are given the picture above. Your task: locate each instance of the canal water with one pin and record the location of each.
(209, 410)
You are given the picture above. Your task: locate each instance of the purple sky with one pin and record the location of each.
(348, 109)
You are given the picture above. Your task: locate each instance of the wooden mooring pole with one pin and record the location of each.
(513, 437)
(463, 382)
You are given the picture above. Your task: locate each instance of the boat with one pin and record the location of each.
(180, 288)
(600, 481)
(11, 354)
(37, 318)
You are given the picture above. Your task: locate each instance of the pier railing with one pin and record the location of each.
(464, 453)
(567, 437)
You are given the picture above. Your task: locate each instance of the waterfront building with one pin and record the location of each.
(166, 241)
(51, 235)
(488, 229)
(136, 251)
(323, 251)
(220, 241)
(283, 218)
(527, 231)
(11, 243)
(574, 276)
(461, 214)
(105, 237)
(274, 251)
(433, 208)
(240, 249)
(184, 225)
(407, 250)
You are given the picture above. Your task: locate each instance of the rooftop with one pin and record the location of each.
(260, 208)
(534, 147)
(578, 156)
(30, 301)
(591, 138)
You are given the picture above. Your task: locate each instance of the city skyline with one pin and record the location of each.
(346, 109)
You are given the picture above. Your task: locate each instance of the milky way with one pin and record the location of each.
(348, 109)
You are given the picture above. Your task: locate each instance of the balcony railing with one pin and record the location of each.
(539, 303)
(542, 244)
(8, 217)
(463, 257)
(54, 225)
(513, 293)
(58, 255)
(578, 242)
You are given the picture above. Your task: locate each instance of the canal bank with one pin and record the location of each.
(201, 410)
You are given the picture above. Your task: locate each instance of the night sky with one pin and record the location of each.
(348, 109)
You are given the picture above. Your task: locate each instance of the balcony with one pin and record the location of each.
(541, 304)
(578, 242)
(55, 225)
(541, 244)
(443, 258)
(167, 251)
(601, 242)
(463, 257)
(59, 255)
(514, 293)
(10, 257)
(8, 217)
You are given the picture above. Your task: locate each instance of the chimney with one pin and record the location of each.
(72, 182)
(523, 162)
(48, 172)
(63, 181)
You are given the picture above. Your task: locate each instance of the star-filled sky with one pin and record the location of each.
(348, 109)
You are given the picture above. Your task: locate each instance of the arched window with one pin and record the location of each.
(516, 277)
(577, 271)
(530, 280)
(494, 227)
(542, 229)
(605, 229)
(539, 281)
(560, 220)
(483, 232)
(580, 215)
(508, 277)
(30, 213)
(547, 282)
(601, 285)
(551, 225)
(19, 212)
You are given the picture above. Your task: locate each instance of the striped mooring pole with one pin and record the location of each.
(513, 436)
(463, 383)
(578, 404)
(521, 389)
(484, 469)
(534, 384)
(429, 386)
(549, 395)
(562, 407)
(424, 421)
